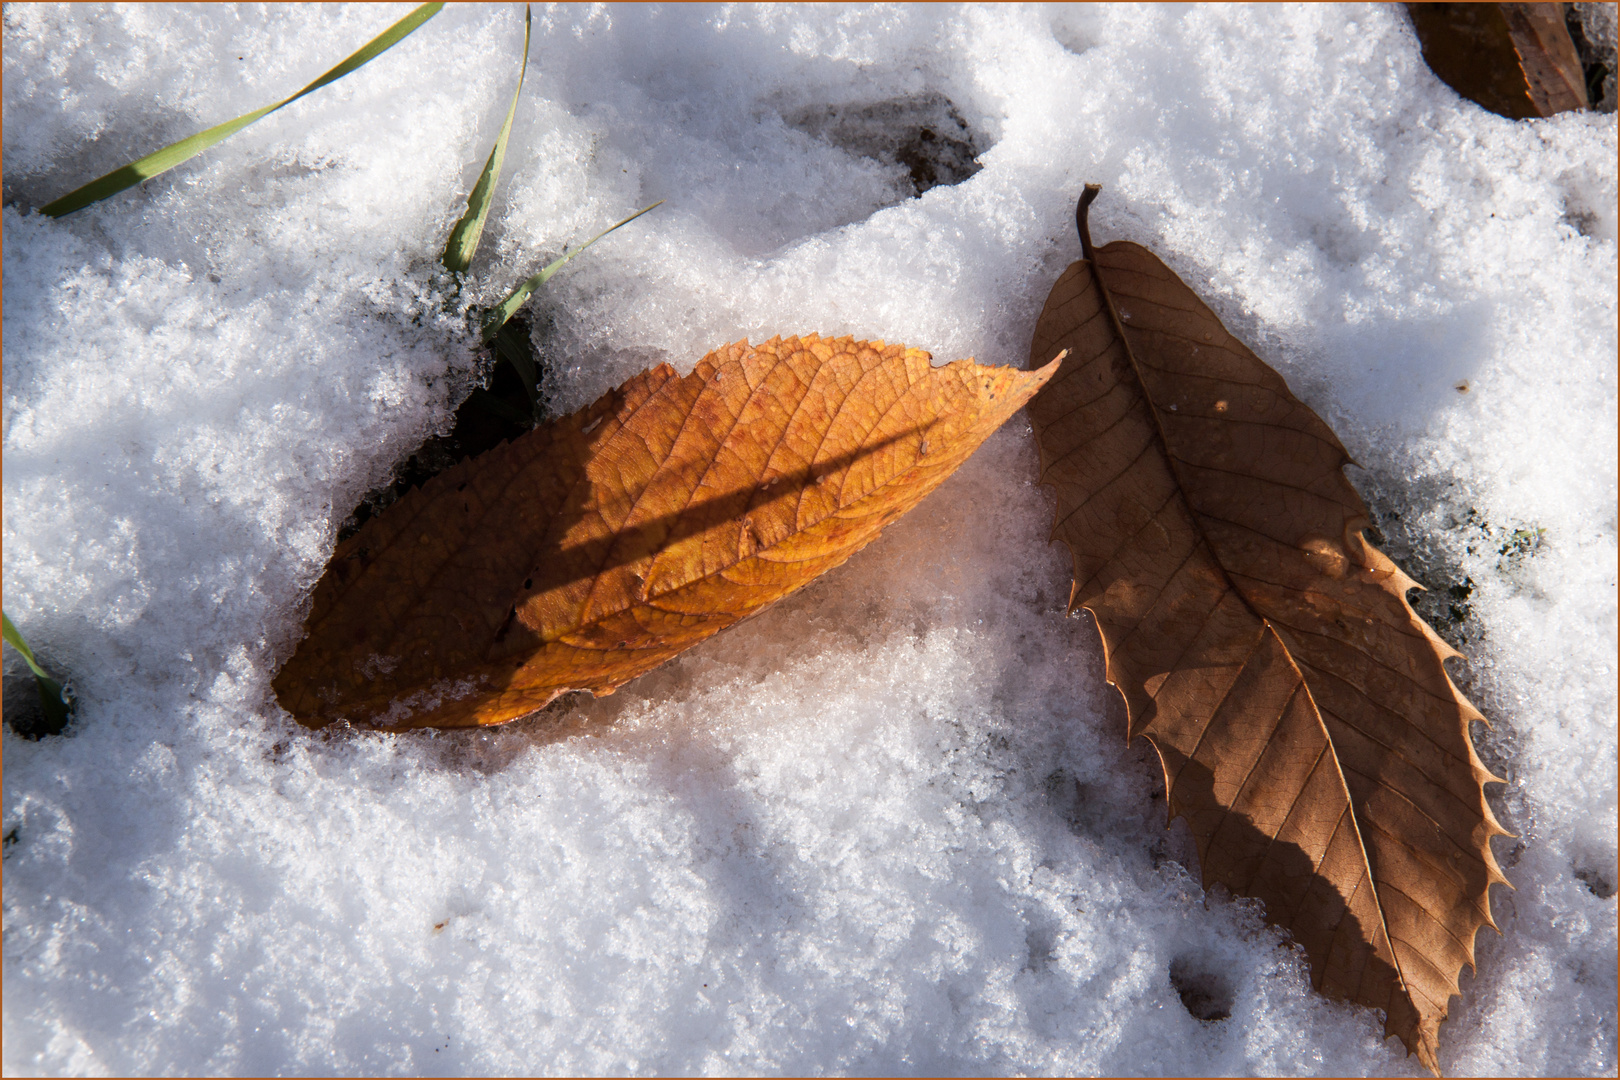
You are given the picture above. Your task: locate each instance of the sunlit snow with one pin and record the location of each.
(891, 825)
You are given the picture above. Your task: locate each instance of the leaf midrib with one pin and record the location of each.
(1204, 541)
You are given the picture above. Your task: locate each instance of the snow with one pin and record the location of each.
(891, 825)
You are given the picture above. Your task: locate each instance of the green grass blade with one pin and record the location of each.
(373, 48)
(167, 158)
(463, 243)
(510, 305)
(15, 639)
(53, 702)
(151, 165)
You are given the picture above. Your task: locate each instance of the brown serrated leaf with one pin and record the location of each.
(595, 548)
(1517, 60)
(1307, 728)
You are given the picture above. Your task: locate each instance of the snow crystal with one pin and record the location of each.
(891, 825)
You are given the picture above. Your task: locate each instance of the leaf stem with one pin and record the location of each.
(1080, 213)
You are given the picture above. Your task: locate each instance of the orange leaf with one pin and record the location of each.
(593, 549)
(1307, 728)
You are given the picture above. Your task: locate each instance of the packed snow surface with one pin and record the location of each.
(892, 825)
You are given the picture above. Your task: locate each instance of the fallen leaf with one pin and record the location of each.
(1301, 711)
(1517, 60)
(595, 548)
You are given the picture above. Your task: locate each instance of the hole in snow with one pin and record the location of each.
(924, 135)
(1599, 883)
(1205, 992)
(1587, 211)
(23, 712)
(1584, 219)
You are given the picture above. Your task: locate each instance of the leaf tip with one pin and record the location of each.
(1058, 359)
